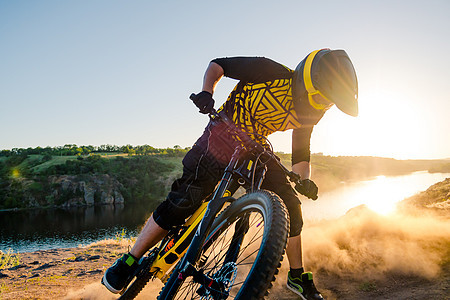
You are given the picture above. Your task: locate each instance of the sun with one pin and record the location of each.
(388, 125)
(382, 207)
(383, 196)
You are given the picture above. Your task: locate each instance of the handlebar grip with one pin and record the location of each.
(309, 189)
(213, 111)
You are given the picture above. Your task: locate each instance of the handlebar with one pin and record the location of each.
(252, 145)
(248, 142)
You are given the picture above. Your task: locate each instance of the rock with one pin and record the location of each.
(79, 258)
(45, 266)
(82, 273)
(107, 198)
(18, 267)
(76, 190)
(118, 198)
(94, 257)
(89, 193)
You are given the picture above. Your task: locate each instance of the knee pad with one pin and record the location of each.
(294, 207)
(296, 224)
(178, 207)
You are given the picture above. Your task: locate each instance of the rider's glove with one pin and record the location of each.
(204, 102)
(307, 188)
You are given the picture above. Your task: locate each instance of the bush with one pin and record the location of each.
(9, 259)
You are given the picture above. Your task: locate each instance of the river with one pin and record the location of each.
(42, 229)
(380, 194)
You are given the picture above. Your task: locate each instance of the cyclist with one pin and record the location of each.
(269, 97)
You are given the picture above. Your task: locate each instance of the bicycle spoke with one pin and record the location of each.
(233, 248)
(219, 249)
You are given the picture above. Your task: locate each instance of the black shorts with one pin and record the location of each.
(203, 167)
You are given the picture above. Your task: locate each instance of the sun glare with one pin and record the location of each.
(383, 196)
(390, 124)
(387, 125)
(382, 207)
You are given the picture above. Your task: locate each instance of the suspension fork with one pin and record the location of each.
(240, 229)
(242, 225)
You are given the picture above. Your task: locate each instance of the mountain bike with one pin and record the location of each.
(229, 248)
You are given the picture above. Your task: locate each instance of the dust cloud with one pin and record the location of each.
(96, 291)
(359, 246)
(367, 245)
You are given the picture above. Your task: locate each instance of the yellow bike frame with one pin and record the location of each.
(163, 264)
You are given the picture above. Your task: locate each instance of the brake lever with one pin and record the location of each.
(295, 177)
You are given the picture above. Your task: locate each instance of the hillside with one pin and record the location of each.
(74, 176)
(47, 181)
(435, 198)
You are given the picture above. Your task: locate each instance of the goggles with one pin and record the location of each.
(319, 103)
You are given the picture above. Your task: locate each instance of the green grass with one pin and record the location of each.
(8, 259)
(56, 160)
(111, 154)
(33, 159)
(121, 236)
(175, 163)
(171, 161)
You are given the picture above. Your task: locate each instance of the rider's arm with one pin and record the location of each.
(303, 169)
(213, 74)
(253, 69)
(301, 153)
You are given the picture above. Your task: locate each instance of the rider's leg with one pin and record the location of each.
(277, 182)
(150, 235)
(184, 198)
(298, 281)
(203, 166)
(294, 252)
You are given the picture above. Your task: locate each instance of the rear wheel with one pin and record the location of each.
(242, 253)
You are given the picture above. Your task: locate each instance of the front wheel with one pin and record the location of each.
(241, 254)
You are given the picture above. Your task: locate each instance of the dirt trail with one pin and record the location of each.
(362, 255)
(75, 274)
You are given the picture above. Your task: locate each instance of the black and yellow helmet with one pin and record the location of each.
(329, 73)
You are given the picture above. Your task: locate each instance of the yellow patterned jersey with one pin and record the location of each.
(261, 103)
(263, 108)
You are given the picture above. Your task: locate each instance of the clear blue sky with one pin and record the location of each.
(120, 72)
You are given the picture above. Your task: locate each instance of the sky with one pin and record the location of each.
(121, 72)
